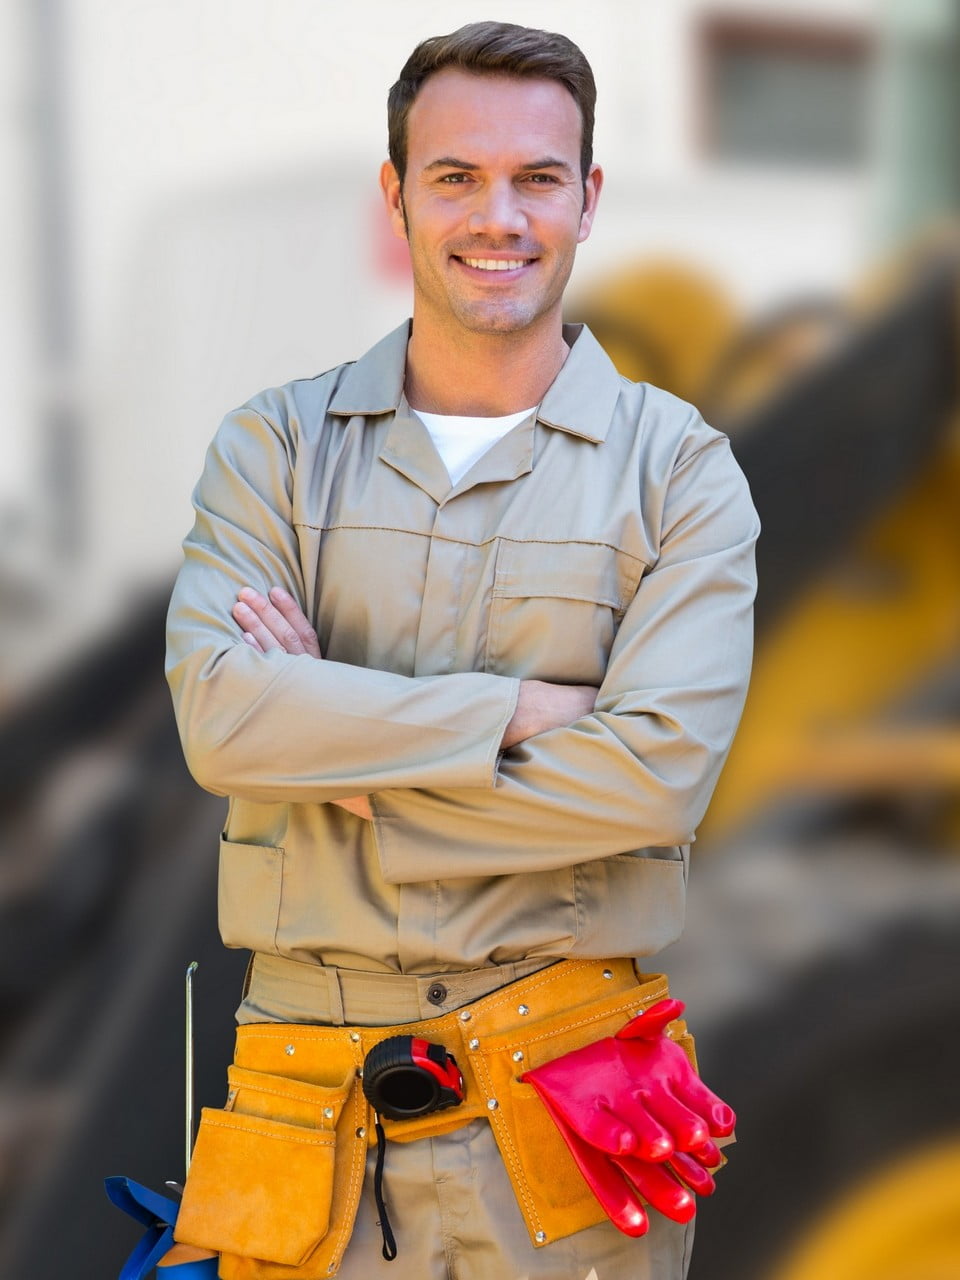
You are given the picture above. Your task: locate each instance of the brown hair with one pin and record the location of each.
(494, 48)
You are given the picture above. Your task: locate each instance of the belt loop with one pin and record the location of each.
(334, 995)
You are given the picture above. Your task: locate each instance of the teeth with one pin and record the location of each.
(496, 264)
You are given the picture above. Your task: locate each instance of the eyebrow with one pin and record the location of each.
(451, 162)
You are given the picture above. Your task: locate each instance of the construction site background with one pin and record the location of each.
(191, 213)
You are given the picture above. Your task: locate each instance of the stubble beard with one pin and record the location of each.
(494, 316)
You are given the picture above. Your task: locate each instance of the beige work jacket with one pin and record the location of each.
(608, 539)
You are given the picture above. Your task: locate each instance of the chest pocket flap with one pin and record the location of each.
(586, 571)
(555, 608)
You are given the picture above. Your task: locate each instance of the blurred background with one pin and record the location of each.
(190, 213)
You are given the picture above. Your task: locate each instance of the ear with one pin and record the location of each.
(591, 195)
(393, 198)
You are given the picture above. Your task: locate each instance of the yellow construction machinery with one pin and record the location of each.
(822, 956)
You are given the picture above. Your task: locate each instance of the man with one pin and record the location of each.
(463, 631)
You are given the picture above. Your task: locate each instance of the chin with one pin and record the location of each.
(496, 322)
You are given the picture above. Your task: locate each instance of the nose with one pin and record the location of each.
(498, 211)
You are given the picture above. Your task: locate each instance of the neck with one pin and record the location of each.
(484, 375)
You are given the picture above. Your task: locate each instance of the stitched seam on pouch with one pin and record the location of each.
(502, 1131)
(320, 1140)
(502, 997)
(572, 1026)
(549, 978)
(290, 1097)
(357, 1171)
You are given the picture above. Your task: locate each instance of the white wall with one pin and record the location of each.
(223, 221)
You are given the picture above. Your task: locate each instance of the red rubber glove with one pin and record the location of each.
(637, 1119)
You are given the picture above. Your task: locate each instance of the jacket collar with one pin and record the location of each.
(580, 400)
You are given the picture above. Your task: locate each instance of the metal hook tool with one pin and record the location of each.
(188, 1076)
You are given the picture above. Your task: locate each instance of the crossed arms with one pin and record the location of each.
(468, 773)
(276, 621)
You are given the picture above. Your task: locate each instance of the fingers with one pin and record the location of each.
(620, 1202)
(255, 632)
(655, 1124)
(696, 1177)
(708, 1155)
(650, 1023)
(293, 615)
(650, 1139)
(721, 1118)
(657, 1185)
(634, 1134)
(687, 1129)
(275, 622)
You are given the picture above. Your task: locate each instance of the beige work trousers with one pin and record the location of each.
(450, 1201)
(455, 1217)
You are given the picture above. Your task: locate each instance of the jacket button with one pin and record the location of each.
(437, 993)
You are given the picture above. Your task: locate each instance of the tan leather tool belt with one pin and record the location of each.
(276, 1174)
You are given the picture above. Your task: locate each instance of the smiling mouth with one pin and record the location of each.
(495, 264)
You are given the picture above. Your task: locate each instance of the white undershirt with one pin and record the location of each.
(460, 441)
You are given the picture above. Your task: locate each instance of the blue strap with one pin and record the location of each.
(158, 1214)
(148, 1207)
(205, 1269)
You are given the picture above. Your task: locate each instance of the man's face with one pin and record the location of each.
(493, 203)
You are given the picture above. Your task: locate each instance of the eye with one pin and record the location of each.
(454, 179)
(542, 179)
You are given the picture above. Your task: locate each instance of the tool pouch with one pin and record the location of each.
(566, 1007)
(276, 1175)
(262, 1189)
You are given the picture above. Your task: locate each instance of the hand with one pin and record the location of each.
(637, 1119)
(542, 706)
(276, 621)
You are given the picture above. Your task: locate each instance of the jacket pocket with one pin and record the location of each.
(555, 609)
(249, 889)
(651, 882)
(262, 1174)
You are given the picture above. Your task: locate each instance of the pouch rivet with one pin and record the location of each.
(328, 1113)
(289, 1050)
(518, 1056)
(474, 1043)
(523, 1010)
(608, 974)
(541, 1237)
(355, 1037)
(466, 1015)
(361, 1132)
(492, 1104)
